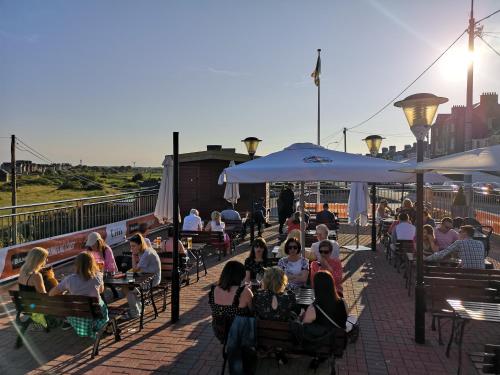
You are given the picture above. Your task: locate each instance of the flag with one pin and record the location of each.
(315, 75)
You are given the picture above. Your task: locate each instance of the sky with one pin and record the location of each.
(107, 82)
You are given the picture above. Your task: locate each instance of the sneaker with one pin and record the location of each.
(66, 326)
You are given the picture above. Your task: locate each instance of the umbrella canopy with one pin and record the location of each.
(485, 159)
(232, 190)
(164, 210)
(357, 205)
(310, 162)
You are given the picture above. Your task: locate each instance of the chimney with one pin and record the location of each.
(214, 148)
(489, 99)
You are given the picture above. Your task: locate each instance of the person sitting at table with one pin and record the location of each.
(295, 233)
(326, 217)
(383, 211)
(293, 222)
(217, 225)
(409, 209)
(229, 298)
(86, 281)
(457, 222)
(470, 251)
(430, 243)
(295, 266)
(445, 234)
(427, 219)
(322, 235)
(192, 222)
(257, 259)
(325, 262)
(30, 276)
(404, 230)
(230, 214)
(101, 252)
(273, 301)
(149, 262)
(167, 246)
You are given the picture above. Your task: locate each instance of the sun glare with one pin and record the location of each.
(455, 62)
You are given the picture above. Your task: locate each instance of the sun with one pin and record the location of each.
(455, 62)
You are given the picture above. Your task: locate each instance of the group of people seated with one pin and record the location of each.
(438, 242)
(325, 216)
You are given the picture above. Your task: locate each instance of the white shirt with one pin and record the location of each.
(405, 231)
(192, 222)
(335, 251)
(214, 227)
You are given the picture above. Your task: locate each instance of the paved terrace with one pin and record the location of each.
(373, 290)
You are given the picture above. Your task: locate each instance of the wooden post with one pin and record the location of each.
(13, 184)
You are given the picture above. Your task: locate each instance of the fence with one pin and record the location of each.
(42, 220)
(484, 206)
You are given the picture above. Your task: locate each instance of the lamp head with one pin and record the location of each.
(373, 142)
(251, 144)
(420, 110)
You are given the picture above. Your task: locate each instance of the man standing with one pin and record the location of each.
(445, 234)
(470, 251)
(285, 205)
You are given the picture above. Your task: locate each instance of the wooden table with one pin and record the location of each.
(196, 252)
(142, 281)
(465, 311)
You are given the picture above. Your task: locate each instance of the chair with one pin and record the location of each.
(402, 247)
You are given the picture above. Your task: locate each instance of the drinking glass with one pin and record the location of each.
(190, 243)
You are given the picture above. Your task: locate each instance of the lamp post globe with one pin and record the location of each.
(420, 110)
(252, 143)
(373, 142)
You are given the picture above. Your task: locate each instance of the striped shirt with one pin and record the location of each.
(470, 251)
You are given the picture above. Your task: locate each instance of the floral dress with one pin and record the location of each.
(294, 268)
(254, 267)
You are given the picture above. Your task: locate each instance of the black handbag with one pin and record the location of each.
(352, 335)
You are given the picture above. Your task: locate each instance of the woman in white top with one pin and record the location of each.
(217, 225)
(295, 266)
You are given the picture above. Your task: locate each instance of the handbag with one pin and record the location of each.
(351, 334)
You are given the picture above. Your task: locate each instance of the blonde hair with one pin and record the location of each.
(34, 260)
(215, 215)
(275, 280)
(85, 265)
(101, 245)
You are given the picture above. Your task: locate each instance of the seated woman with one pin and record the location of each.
(30, 276)
(257, 259)
(217, 225)
(295, 266)
(101, 252)
(383, 210)
(293, 234)
(149, 262)
(430, 242)
(86, 281)
(327, 263)
(293, 222)
(229, 298)
(273, 302)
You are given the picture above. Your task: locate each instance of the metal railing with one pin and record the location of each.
(42, 220)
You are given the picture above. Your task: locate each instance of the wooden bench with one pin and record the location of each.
(60, 306)
(439, 289)
(402, 247)
(276, 336)
(167, 267)
(234, 228)
(213, 240)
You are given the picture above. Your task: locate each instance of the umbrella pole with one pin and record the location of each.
(374, 222)
(302, 222)
(357, 232)
(175, 249)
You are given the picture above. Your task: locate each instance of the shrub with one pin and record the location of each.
(138, 177)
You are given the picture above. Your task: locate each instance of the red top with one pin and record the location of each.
(336, 266)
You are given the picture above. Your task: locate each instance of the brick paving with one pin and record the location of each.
(373, 290)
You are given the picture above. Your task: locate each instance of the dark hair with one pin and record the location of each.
(446, 219)
(324, 290)
(232, 274)
(143, 228)
(296, 217)
(325, 205)
(289, 241)
(468, 229)
(326, 243)
(403, 216)
(458, 222)
(428, 228)
(259, 242)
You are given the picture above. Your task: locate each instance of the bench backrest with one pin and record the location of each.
(233, 225)
(61, 306)
(458, 272)
(204, 236)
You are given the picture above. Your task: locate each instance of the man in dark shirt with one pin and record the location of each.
(326, 217)
(285, 205)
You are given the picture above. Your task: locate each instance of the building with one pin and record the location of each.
(447, 133)
(198, 181)
(4, 176)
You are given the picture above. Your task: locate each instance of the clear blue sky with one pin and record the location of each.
(108, 81)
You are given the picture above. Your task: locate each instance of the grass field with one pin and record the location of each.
(77, 183)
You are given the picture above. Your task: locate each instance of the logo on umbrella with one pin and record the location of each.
(317, 159)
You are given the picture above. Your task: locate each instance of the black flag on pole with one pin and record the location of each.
(315, 75)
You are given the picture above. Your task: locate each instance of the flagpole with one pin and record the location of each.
(319, 105)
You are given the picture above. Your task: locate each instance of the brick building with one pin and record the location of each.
(447, 133)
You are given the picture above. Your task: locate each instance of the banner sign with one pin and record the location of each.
(69, 245)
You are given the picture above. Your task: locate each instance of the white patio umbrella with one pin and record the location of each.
(357, 208)
(164, 210)
(232, 190)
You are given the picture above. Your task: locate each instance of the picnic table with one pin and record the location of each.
(465, 311)
(142, 281)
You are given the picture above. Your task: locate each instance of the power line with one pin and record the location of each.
(408, 86)
(489, 45)
(488, 16)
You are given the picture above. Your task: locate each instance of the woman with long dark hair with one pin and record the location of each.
(257, 259)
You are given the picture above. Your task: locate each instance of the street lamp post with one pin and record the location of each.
(251, 143)
(373, 142)
(420, 110)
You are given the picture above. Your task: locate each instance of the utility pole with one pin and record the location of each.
(470, 82)
(13, 184)
(345, 139)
